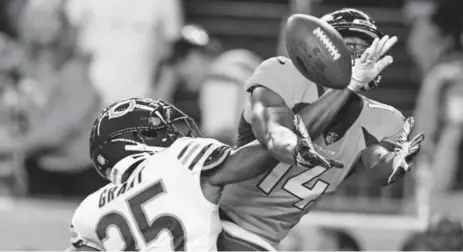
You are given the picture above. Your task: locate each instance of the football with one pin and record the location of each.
(318, 51)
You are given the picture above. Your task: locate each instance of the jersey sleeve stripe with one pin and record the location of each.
(182, 152)
(189, 153)
(199, 156)
(224, 152)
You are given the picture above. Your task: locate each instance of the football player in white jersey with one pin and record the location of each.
(365, 135)
(165, 184)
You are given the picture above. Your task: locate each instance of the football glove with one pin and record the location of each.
(368, 67)
(305, 154)
(405, 151)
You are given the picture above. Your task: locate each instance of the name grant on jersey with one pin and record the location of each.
(109, 194)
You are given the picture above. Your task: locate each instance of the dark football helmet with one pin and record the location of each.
(354, 22)
(351, 22)
(135, 126)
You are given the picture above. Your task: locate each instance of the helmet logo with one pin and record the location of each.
(320, 34)
(113, 113)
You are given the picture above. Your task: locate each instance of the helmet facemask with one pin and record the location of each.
(164, 128)
(172, 123)
(357, 43)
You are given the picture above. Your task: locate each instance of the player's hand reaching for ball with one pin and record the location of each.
(405, 150)
(370, 64)
(305, 154)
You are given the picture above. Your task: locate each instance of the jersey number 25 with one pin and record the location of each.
(297, 184)
(149, 231)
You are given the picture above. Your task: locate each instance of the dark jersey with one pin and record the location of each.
(271, 204)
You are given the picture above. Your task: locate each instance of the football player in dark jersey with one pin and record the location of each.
(365, 135)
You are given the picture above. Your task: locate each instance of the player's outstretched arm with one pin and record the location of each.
(242, 164)
(274, 87)
(390, 159)
(321, 113)
(272, 124)
(283, 133)
(253, 159)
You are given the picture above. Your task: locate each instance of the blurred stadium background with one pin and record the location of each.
(47, 46)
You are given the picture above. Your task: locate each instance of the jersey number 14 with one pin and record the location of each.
(297, 184)
(149, 231)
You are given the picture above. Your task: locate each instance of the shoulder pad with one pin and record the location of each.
(281, 76)
(278, 62)
(388, 120)
(201, 153)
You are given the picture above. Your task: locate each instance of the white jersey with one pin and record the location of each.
(160, 207)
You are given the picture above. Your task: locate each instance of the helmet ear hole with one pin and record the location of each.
(150, 134)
